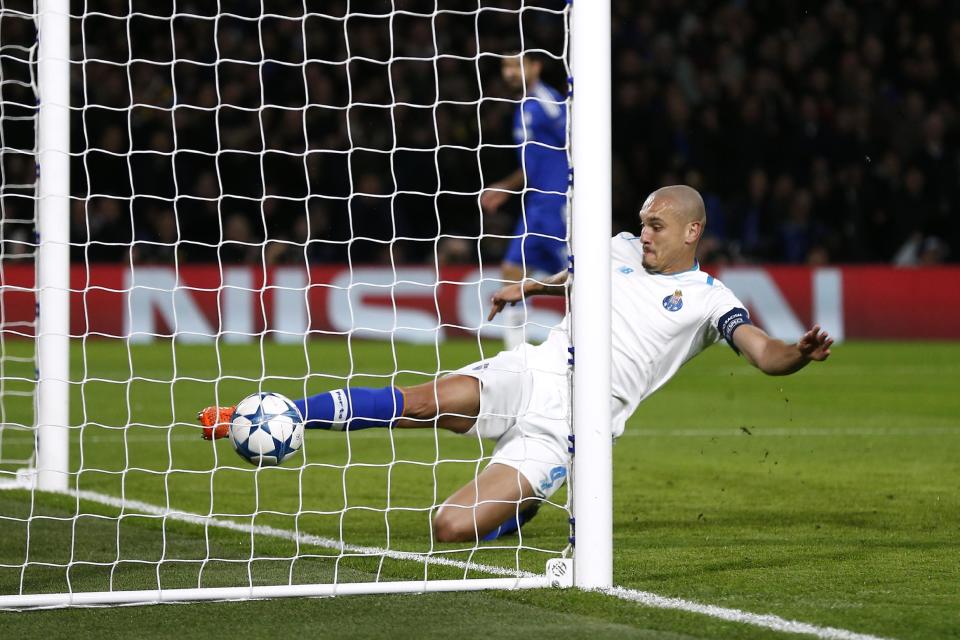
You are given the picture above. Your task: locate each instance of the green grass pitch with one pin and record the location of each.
(830, 497)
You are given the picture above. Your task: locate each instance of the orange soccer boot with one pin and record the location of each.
(216, 422)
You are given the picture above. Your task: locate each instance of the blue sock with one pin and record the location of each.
(513, 523)
(505, 528)
(353, 408)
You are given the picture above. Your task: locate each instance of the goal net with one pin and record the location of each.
(18, 184)
(207, 200)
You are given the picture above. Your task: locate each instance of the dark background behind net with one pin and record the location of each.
(816, 131)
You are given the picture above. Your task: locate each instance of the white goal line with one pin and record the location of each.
(767, 621)
(509, 578)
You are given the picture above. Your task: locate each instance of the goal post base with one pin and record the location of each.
(560, 572)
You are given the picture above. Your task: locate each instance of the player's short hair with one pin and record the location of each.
(533, 56)
(688, 200)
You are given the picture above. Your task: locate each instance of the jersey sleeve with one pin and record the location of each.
(727, 314)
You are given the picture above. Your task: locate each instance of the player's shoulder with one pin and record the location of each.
(697, 277)
(547, 101)
(625, 242)
(709, 279)
(712, 281)
(625, 251)
(715, 289)
(546, 92)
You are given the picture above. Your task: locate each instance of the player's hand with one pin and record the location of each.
(510, 294)
(815, 344)
(492, 199)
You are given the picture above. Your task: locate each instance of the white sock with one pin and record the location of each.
(513, 333)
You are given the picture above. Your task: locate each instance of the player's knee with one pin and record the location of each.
(454, 525)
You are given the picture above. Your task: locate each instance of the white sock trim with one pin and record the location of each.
(341, 408)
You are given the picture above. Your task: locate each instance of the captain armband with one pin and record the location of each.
(729, 322)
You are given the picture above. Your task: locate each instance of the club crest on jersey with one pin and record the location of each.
(674, 302)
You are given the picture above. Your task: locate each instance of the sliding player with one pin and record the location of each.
(540, 132)
(665, 311)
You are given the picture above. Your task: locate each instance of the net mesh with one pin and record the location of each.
(277, 197)
(18, 188)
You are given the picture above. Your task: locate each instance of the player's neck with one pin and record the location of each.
(680, 266)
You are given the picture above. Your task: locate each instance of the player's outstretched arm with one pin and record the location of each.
(776, 357)
(555, 285)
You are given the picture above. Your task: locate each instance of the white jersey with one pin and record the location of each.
(658, 323)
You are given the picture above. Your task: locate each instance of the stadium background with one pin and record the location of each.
(819, 132)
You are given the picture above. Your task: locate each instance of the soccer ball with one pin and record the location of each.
(266, 429)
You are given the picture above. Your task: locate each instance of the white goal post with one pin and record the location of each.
(53, 257)
(590, 238)
(50, 469)
(586, 558)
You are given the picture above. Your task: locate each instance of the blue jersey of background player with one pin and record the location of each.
(540, 132)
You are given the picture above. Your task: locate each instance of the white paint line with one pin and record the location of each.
(23, 439)
(766, 621)
(644, 598)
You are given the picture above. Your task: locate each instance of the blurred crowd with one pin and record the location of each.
(373, 150)
(818, 131)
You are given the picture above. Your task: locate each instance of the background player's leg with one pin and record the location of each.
(539, 249)
(481, 505)
(513, 315)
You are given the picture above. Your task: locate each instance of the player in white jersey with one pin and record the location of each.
(665, 311)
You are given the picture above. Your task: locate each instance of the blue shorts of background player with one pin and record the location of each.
(540, 245)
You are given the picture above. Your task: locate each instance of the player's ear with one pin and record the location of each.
(694, 231)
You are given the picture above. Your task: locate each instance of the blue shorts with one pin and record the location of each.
(541, 242)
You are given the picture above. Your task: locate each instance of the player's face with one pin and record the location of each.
(663, 238)
(516, 70)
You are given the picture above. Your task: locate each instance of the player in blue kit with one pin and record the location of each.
(540, 132)
(665, 311)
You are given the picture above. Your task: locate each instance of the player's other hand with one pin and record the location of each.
(510, 294)
(815, 344)
(492, 199)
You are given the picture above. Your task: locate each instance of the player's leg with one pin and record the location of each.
(512, 315)
(497, 495)
(512, 270)
(524, 469)
(451, 402)
(539, 248)
(528, 465)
